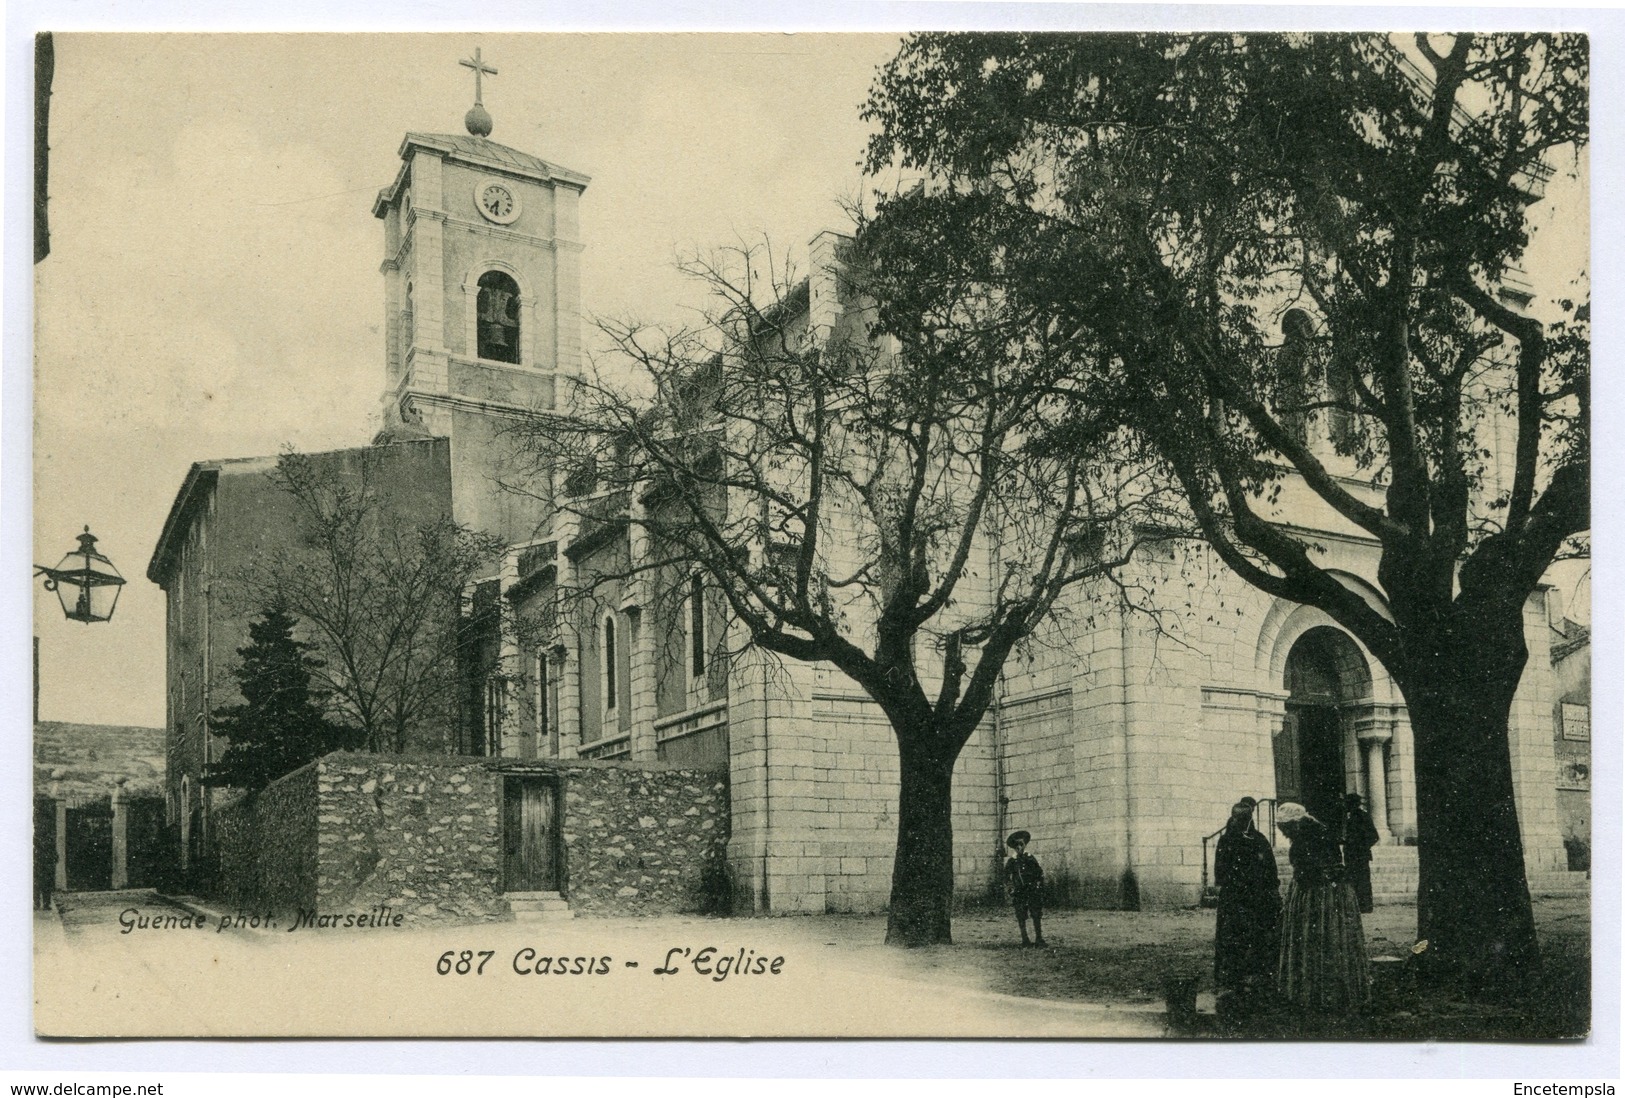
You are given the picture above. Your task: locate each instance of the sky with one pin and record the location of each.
(213, 286)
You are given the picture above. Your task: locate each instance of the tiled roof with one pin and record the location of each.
(484, 150)
(476, 150)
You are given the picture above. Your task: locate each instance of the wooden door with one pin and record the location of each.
(530, 830)
(1288, 787)
(1320, 751)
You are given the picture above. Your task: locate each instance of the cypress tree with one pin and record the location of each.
(280, 725)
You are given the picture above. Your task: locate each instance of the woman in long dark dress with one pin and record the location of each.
(1323, 964)
(1247, 938)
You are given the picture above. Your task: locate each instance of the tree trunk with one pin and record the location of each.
(922, 883)
(1473, 905)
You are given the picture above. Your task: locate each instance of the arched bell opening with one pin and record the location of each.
(498, 304)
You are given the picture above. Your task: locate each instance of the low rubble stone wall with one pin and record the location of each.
(265, 845)
(422, 836)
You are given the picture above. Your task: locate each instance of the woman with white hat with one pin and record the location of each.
(1323, 964)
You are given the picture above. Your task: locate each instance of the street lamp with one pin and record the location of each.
(85, 582)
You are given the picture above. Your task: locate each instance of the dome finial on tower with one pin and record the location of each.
(478, 119)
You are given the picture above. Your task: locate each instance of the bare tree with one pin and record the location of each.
(380, 598)
(1166, 198)
(906, 508)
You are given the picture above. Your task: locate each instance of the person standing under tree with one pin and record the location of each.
(1359, 836)
(1248, 933)
(1323, 964)
(1024, 881)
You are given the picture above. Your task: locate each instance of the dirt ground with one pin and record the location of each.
(1103, 974)
(1126, 959)
(1129, 958)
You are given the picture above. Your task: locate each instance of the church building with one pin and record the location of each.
(1119, 746)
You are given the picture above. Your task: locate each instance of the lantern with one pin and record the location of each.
(86, 582)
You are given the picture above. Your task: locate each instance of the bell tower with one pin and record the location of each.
(482, 260)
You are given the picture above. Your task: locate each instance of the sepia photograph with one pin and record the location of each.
(957, 534)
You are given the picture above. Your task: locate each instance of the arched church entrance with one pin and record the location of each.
(1326, 679)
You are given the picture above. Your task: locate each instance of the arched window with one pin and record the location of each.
(1344, 398)
(406, 323)
(498, 317)
(1296, 383)
(608, 656)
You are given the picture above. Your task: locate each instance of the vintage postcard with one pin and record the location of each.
(819, 535)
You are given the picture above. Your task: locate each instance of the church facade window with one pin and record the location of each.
(1297, 383)
(493, 716)
(546, 728)
(608, 657)
(498, 306)
(408, 336)
(1342, 396)
(696, 628)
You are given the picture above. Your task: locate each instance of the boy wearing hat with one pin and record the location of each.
(1024, 880)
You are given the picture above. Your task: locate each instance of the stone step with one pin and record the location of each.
(538, 902)
(538, 906)
(1389, 852)
(524, 916)
(1393, 872)
(1382, 854)
(1560, 882)
(1395, 876)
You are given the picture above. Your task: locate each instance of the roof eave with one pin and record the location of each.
(554, 173)
(386, 197)
(162, 555)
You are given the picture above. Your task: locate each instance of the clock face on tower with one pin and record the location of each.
(496, 201)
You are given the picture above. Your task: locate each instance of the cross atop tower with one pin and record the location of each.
(478, 119)
(480, 69)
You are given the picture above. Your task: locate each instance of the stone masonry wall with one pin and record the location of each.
(644, 840)
(267, 845)
(422, 835)
(418, 834)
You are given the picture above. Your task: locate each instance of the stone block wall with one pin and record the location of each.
(1041, 780)
(836, 779)
(1172, 720)
(814, 800)
(1530, 735)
